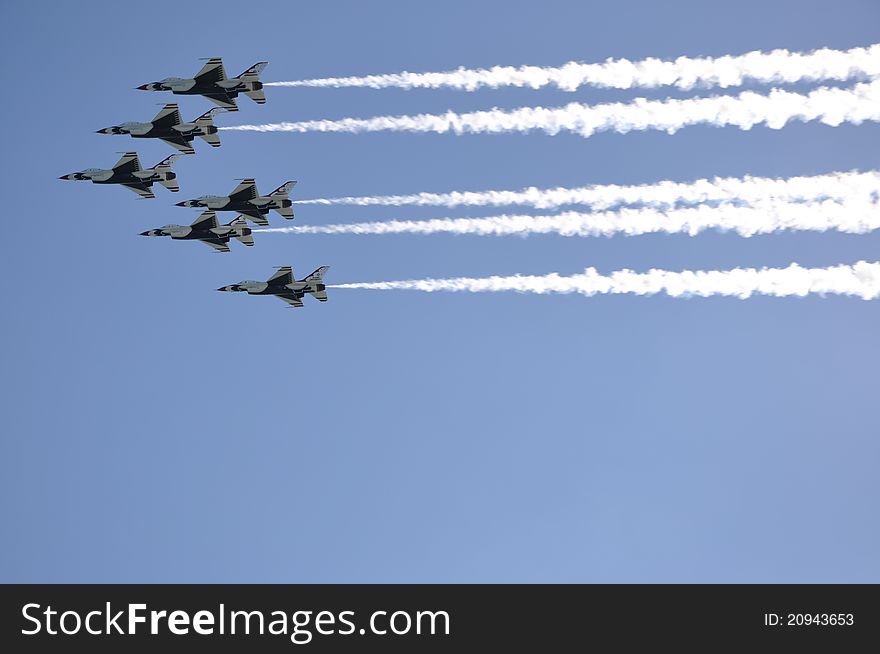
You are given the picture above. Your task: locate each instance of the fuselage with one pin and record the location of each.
(187, 131)
(179, 86)
(185, 232)
(264, 288)
(224, 203)
(109, 176)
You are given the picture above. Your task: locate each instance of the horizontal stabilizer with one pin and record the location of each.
(286, 212)
(257, 96)
(212, 139)
(170, 184)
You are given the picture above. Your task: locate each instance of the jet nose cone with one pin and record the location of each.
(223, 288)
(143, 87)
(66, 177)
(185, 203)
(106, 130)
(147, 233)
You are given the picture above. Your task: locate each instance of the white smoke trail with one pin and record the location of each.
(861, 279)
(831, 106)
(850, 216)
(775, 67)
(666, 193)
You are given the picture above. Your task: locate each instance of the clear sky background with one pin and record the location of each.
(156, 430)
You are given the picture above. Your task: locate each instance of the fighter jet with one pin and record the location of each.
(168, 127)
(127, 172)
(284, 286)
(211, 82)
(205, 229)
(247, 201)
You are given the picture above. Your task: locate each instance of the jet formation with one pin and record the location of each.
(210, 82)
(127, 172)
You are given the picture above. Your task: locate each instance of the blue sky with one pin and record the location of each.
(156, 430)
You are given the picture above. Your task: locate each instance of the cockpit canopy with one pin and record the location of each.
(206, 198)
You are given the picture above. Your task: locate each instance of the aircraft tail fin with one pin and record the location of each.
(167, 177)
(251, 80)
(282, 203)
(167, 162)
(253, 73)
(207, 118)
(208, 131)
(241, 231)
(284, 189)
(317, 275)
(316, 287)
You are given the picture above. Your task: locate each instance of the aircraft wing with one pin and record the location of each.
(141, 189)
(181, 144)
(256, 216)
(129, 163)
(293, 299)
(282, 277)
(212, 71)
(215, 243)
(168, 117)
(247, 190)
(206, 220)
(223, 100)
